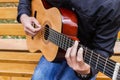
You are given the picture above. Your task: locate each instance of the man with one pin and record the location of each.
(98, 22)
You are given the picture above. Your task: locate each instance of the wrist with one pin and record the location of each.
(23, 16)
(85, 69)
(85, 76)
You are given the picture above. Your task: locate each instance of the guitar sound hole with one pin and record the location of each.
(46, 35)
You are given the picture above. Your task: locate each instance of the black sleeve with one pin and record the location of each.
(60, 3)
(24, 7)
(107, 27)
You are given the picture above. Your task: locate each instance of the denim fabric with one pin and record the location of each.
(53, 71)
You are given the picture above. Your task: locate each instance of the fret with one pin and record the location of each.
(90, 57)
(67, 43)
(53, 36)
(97, 61)
(62, 45)
(109, 68)
(61, 42)
(85, 52)
(101, 63)
(93, 59)
(87, 57)
(60, 39)
(64, 42)
(56, 38)
(105, 65)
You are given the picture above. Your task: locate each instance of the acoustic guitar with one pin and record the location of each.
(59, 31)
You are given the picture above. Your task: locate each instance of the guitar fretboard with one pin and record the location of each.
(95, 60)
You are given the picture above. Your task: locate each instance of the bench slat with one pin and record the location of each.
(9, 0)
(119, 35)
(8, 12)
(16, 69)
(20, 44)
(20, 78)
(4, 77)
(19, 57)
(101, 76)
(12, 29)
(13, 44)
(117, 47)
(116, 58)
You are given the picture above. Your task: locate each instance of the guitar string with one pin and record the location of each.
(89, 52)
(118, 74)
(87, 49)
(100, 67)
(108, 72)
(53, 37)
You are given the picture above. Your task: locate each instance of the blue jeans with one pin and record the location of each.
(54, 71)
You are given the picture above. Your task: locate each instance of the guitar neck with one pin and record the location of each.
(104, 65)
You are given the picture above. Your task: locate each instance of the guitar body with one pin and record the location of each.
(60, 20)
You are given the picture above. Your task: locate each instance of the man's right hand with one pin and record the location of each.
(28, 22)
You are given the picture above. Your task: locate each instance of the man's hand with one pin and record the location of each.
(75, 60)
(28, 25)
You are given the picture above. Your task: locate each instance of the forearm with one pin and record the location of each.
(24, 7)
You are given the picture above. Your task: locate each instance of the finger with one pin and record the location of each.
(67, 56)
(35, 21)
(37, 25)
(28, 32)
(74, 52)
(30, 28)
(80, 55)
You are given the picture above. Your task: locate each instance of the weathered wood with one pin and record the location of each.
(119, 35)
(13, 44)
(8, 12)
(117, 48)
(20, 78)
(9, 0)
(4, 77)
(16, 69)
(12, 29)
(101, 76)
(116, 58)
(19, 57)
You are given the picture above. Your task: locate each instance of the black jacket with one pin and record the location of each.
(99, 21)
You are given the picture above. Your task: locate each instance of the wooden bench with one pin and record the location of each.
(16, 62)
